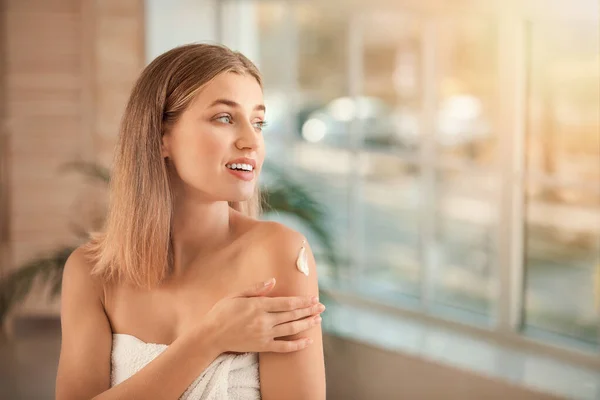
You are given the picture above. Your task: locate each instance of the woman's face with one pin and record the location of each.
(221, 127)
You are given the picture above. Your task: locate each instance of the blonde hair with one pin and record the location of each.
(135, 244)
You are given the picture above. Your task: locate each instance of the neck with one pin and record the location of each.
(198, 228)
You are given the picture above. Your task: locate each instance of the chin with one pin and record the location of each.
(241, 196)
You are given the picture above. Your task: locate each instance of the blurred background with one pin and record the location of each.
(443, 158)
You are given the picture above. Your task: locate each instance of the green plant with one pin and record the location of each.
(282, 195)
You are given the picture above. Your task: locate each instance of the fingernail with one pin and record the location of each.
(315, 300)
(321, 308)
(318, 319)
(309, 341)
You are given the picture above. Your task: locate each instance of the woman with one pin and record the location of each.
(164, 303)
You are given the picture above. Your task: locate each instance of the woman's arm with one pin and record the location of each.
(85, 357)
(299, 375)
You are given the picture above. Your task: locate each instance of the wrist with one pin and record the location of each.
(206, 338)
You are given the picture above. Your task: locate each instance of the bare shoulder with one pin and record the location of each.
(284, 248)
(77, 274)
(78, 261)
(276, 233)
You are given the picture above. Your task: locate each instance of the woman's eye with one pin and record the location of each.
(260, 125)
(226, 119)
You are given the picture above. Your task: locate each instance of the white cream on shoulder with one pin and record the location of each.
(302, 261)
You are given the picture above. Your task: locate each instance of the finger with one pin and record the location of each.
(287, 316)
(292, 328)
(279, 304)
(288, 346)
(259, 289)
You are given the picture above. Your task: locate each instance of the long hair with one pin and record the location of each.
(135, 244)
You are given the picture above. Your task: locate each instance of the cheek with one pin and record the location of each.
(206, 146)
(262, 151)
(195, 153)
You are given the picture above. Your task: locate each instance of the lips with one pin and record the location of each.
(243, 175)
(242, 168)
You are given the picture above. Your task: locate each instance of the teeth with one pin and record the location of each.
(245, 167)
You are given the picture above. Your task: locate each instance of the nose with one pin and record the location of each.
(247, 138)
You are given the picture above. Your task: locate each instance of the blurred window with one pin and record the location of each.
(391, 119)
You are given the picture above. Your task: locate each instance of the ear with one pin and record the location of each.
(165, 146)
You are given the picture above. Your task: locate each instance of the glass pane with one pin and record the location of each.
(303, 60)
(466, 236)
(562, 256)
(564, 107)
(390, 226)
(563, 190)
(391, 58)
(467, 65)
(275, 62)
(321, 75)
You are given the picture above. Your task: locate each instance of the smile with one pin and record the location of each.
(240, 167)
(239, 171)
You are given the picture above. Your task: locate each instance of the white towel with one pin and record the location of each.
(229, 377)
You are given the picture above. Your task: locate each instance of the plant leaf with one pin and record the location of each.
(91, 170)
(286, 195)
(15, 286)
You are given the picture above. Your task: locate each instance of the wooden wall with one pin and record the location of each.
(67, 69)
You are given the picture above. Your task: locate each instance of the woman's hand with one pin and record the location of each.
(248, 322)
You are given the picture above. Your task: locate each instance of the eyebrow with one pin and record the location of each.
(233, 104)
